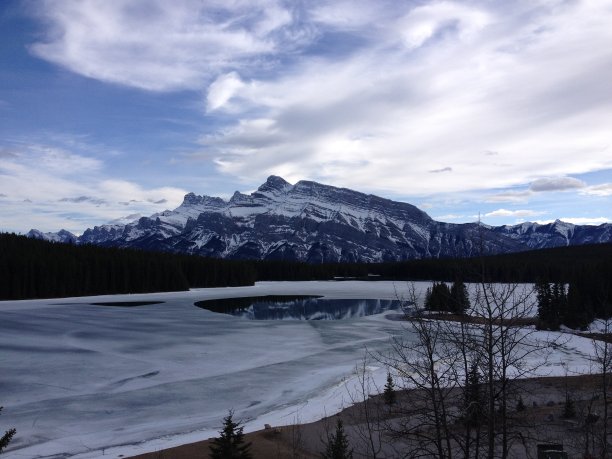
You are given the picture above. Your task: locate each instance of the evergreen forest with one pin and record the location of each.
(31, 268)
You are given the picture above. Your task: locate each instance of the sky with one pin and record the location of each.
(115, 109)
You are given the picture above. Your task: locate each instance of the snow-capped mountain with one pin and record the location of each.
(61, 236)
(317, 223)
(556, 234)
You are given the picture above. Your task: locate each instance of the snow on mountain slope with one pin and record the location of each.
(556, 234)
(61, 236)
(309, 221)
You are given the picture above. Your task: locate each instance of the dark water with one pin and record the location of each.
(298, 307)
(126, 304)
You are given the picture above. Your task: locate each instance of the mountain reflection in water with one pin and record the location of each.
(284, 307)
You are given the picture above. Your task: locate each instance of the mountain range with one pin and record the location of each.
(318, 223)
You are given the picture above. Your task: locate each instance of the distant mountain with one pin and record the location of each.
(61, 236)
(318, 223)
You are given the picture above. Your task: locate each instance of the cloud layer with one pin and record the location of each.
(400, 91)
(52, 188)
(412, 99)
(158, 45)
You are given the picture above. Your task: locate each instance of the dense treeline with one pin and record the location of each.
(31, 268)
(574, 283)
(575, 304)
(295, 271)
(440, 297)
(560, 264)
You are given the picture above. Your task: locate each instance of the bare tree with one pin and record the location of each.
(460, 374)
(464, 339)
(296, 440)
(425, 365)
(367, 413)
(602, 358)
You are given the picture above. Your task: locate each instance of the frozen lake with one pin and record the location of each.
(78, 377)
(83, 380)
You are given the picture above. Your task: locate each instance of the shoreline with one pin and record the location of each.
(544, 401)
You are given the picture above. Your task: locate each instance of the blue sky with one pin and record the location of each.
(111, 109)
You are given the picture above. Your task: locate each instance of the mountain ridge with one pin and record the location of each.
(316, 223)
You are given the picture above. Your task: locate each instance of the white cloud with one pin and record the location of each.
(443, 169)
(604, 189)
(522, 213)
(523, 84)
(159, 45)
(367, 95)
(52, 188)
(541, 185)
(579, 220)
(509, 196)
(424, 22)
(556, 184)
(443, 218)
(222, 90)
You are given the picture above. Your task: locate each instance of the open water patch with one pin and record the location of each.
(286, 307)
(126, 304)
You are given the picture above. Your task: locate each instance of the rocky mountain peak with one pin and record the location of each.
(314, 222)
(275, 183)
(62, 235)
(191, 199)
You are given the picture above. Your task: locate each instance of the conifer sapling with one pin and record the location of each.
(230, 444)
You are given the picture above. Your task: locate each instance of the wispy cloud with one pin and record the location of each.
(462, 87)
(401, 85)
(509, 196)
(579, 220)
(422, 100)
(162, 46)
(444, 169)
(7, 153)
(541, 185)
(68, 190)
(222, 90)
(604, 189)
(556, 184)
(81, 199)
(443, 218)
(521, 213)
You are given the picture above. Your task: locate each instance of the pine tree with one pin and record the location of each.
(579, 313)
(559, 304)
(438, 298)
(460, 301)
(7, 437)
(473, 398)
(389, 392)
(428, 302)
(230, 444)
(546, 315)
(520, 405)
(569, 411)
(338, 445)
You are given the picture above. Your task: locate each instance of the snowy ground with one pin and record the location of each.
(86, 381)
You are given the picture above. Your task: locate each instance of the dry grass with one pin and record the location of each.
(467, 319)
(540, 422)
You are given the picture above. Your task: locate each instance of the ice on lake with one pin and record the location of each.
(82, 379)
